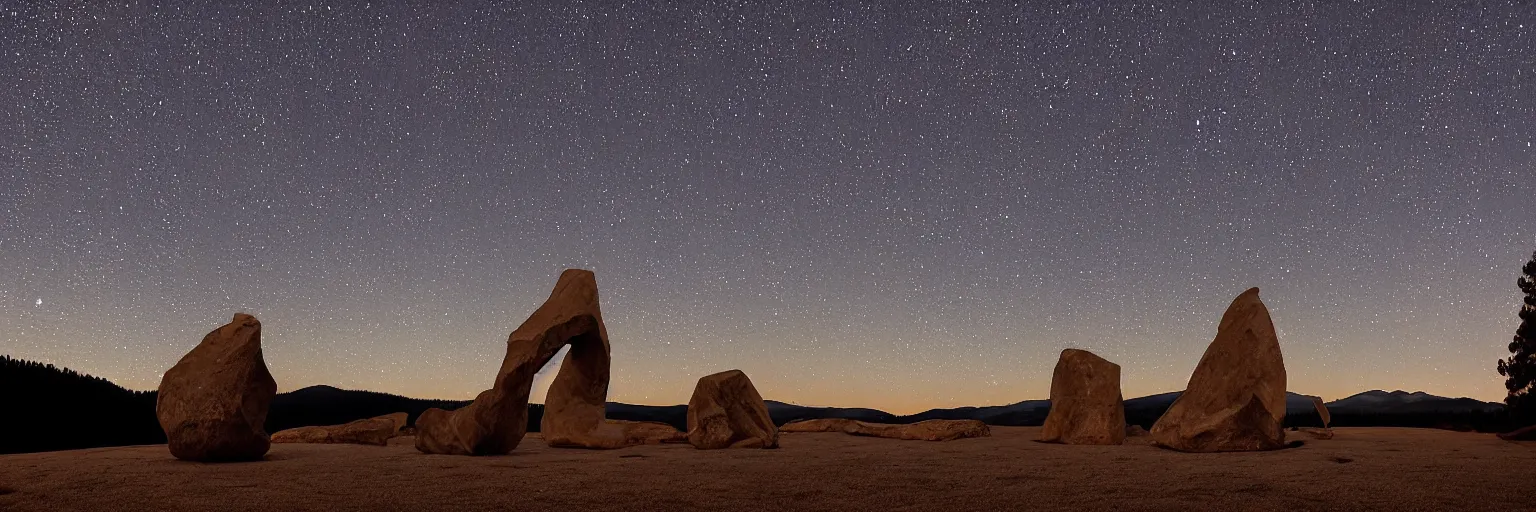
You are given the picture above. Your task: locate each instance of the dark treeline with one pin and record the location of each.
(50, 408)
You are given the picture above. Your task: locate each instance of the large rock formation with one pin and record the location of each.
(1236, 397)
(1086, 407)
(574, 408)
(374, 431)
(930, 430)
(727, 412)
(213, 403)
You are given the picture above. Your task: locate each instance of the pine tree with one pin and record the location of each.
(1520, 368)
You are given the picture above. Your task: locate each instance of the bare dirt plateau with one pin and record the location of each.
(1394, 469)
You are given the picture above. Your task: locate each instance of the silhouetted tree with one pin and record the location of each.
(1520, 368)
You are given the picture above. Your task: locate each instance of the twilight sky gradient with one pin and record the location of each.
(898, 205)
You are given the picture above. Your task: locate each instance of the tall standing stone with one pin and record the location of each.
(1086, 406)
(726, 412)
(213, 403)
(1235, 400)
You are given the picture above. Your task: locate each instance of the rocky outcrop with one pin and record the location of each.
(1322, 411)
(1235, 400)
(820, 425)
(495, 422)
(1086, 406)
(649, 432)
(213, 403)
(930, 430)
(375, 431)
(726, 412)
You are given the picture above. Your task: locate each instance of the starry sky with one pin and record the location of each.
(898, 204)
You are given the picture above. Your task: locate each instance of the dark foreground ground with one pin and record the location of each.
(1393, 469)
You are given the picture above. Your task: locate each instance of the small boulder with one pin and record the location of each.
(375, 431)
(1086, 407)
(726, 412)
(213, 403)
(1235, 400)
(1136, 431)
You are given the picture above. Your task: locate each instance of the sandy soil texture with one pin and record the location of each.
(1360, 469)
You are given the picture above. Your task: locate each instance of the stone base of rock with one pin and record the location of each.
(931, 430)
(375, 431)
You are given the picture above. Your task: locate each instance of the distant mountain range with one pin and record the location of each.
(55, 402)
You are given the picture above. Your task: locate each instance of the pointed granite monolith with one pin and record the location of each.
(726, 412)
(1235, 400)
(495, 422)
(1086, 406)
(213, 403)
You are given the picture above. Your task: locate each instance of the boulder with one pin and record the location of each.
(1322, 411)
(213, 403)
(374, 431)
(1086, 407)
(495, 422)
(930, 430)
(1235, 400)
(1136, 431)
(726, 412)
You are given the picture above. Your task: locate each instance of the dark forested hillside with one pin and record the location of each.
(50, 408)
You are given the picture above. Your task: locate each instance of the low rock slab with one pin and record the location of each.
(930, 430)
(375, 431)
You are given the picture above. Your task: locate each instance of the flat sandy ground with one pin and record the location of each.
(1361, 469)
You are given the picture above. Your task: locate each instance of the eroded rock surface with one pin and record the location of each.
(1235, 400)
(213, 402)
(727, 412)
(1086, 406)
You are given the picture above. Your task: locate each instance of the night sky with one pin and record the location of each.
(897, 205)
